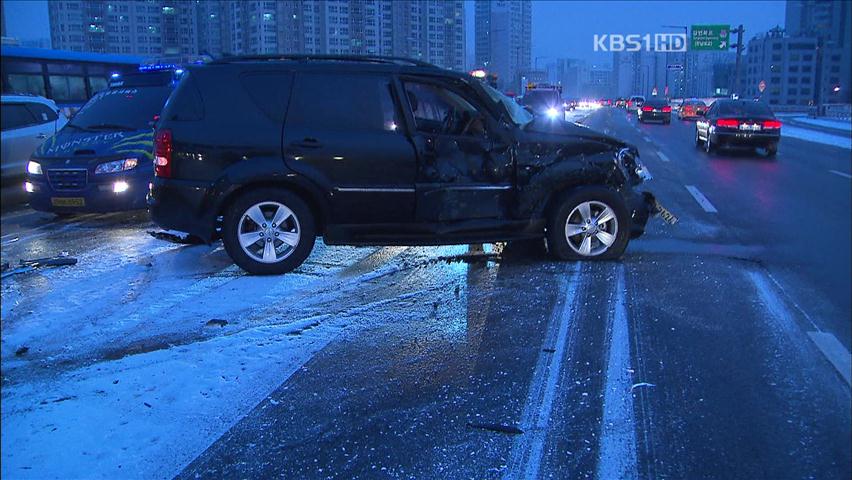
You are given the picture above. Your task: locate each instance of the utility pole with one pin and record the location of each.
(739, 46)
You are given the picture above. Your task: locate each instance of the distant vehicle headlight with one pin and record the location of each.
(116, 166)
(552, 112)
(34, 168)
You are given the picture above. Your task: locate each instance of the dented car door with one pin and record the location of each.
(464, 171)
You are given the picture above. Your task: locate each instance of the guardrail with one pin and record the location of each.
(839, 111)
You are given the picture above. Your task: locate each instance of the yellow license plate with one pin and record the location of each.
(68, 201)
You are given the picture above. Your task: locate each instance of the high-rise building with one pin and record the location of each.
(830, 23)
(503, 39)
(787, 65)
(429, 30)
(155, 28)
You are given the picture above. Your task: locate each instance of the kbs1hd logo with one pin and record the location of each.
(657, 42)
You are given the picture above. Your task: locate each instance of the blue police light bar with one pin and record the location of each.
(157, 67)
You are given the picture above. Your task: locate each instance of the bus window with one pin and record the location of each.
(26, 83)
(68, 88)
(96, 84)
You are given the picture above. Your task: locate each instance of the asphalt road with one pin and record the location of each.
(705, 353)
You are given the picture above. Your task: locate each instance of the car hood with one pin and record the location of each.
(72, 144)
(557, 132)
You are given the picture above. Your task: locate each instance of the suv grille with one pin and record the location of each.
(71, 179)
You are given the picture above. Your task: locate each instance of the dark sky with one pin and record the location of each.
(560, 28)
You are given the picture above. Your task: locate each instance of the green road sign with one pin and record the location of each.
(711, 37)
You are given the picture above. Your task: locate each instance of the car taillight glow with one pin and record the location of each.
(163, 154)
(667, 109)
(771, 124)
(647, 109)
(727, 123)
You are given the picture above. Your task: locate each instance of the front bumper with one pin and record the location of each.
(641, 205)
(97, 195)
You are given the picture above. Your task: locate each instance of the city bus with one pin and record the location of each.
(67, 78)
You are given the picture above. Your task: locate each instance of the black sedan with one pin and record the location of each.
(656, 110)
(738, 123)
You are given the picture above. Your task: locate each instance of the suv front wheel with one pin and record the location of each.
(590, 223)
(268, 231)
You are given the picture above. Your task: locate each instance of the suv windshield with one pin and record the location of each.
(130, 108)
(744, 109)
(516, 112)
(541, 98)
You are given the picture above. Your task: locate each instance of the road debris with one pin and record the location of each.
(174, 237)
(496, 427)
(217, 322)
(26, 266)
(22, 351)
(641, 384)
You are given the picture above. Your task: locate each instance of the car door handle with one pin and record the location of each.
(307, 143)
(41, 135)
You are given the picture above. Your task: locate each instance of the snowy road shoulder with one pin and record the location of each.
(816, 137)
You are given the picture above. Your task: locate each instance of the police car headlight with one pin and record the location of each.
(552, 112)
(116, 166)
(34, 168)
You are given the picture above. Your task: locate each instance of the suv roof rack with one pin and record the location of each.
(322, 57)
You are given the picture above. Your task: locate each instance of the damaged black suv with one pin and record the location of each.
(267, 152)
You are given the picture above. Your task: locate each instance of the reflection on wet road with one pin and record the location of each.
(691, 358)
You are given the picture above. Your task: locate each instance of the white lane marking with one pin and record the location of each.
(845, 175)
(827, 343)
(662, 156)
(833, 350)
(617, 457)
(527, 451)
(701, 199)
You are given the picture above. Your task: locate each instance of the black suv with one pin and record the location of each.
(269, 152)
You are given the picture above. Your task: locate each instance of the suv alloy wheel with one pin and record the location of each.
(268, 231)
(590, 223)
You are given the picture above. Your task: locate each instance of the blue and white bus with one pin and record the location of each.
(67, 78)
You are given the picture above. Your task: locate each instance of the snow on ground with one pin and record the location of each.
(817, 137)
(826, 122)
(153, 350)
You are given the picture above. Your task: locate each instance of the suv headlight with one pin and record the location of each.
(34, 168)
(629, 159)
(116, 166)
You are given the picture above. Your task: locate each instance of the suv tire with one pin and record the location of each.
(581, 208)
(275, 249)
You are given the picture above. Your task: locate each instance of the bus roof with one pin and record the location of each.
(48, 54)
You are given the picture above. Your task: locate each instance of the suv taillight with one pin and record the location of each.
(163, 154)
(667, 109)
(771, 124)
(727, 123)
(647, 109)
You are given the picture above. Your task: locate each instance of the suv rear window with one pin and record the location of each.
(270, 91)
(130, 108)
(343, 102)
(15, 115)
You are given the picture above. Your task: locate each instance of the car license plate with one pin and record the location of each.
(68, 201)
(749, 126)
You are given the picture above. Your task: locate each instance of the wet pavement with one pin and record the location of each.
(709, 351)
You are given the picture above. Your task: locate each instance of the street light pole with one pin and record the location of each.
(685, 58)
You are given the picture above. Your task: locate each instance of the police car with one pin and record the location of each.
(102, 159)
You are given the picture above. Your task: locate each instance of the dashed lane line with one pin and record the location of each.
(528, 449)
(844, 175)
(617, 457)
(701, 199)
(662, 156)
(826, 343)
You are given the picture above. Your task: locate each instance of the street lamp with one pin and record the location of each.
(685, 49)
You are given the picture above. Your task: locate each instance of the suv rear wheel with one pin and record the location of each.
(268, 231)
(590, 223)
